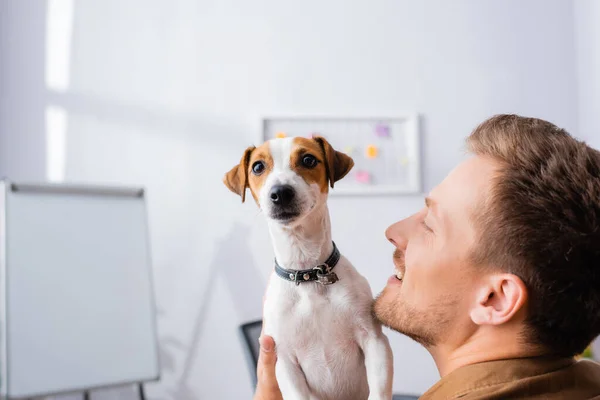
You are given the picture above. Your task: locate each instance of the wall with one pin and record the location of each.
(587, 31)
(168, 94)
(22, 138)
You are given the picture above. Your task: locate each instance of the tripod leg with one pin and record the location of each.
(141, 391)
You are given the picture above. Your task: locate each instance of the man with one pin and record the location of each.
(500, 271)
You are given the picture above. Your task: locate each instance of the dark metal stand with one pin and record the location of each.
(141, 391)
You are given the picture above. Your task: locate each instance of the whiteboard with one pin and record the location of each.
(77, 306)
(386, 150)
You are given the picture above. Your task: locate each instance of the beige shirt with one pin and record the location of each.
(524, 378)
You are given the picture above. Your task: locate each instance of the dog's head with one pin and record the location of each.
(288, 177)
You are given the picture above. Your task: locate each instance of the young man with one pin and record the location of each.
(498, 276)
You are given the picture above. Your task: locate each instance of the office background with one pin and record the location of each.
(167, 94)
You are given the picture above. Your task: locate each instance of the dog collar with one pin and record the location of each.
(322, 273)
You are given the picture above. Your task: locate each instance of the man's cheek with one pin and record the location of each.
(423, 276)
(417, 260)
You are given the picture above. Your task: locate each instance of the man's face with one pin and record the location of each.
(431, 303)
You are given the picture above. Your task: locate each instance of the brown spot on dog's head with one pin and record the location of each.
(242, 176)
(337, 164)
(262, 155)
(308, 160)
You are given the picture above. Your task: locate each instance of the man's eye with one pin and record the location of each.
(427, 228)
(258, 168)
(309, 161)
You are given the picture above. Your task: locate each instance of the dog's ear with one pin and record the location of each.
(337, 164)
(237, 178)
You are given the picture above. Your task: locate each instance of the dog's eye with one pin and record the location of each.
(309, 161)
(258, 168)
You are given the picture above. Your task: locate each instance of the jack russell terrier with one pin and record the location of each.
(317, 306)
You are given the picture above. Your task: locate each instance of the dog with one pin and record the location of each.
(317, 307)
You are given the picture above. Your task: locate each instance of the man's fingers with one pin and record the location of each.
(267, 344)
(266, 360)
(267, 388)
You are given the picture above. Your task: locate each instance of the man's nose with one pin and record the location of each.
(397, 233)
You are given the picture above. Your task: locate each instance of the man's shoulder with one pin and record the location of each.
(522, 378)
(588, 364)
(578, 380)
(587, 370)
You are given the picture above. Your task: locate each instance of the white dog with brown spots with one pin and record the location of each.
(317, 306)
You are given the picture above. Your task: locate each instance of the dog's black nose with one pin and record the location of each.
(282, 195)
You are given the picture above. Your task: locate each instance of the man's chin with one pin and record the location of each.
(391, 312)
(383, 309)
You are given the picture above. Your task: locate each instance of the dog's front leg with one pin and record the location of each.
(379, 365)
(291, 380)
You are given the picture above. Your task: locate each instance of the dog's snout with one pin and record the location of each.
(282, 195)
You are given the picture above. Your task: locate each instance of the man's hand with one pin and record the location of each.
(267, 387)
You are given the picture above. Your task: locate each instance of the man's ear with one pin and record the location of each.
(237, 178)
(337, 164)
(498, 301)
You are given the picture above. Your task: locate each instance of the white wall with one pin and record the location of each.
(587, 30)
(22, 143)
(168, 94)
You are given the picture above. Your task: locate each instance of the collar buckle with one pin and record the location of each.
(323, 268)
(324, 274)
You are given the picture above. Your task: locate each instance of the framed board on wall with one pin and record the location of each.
(386, 150)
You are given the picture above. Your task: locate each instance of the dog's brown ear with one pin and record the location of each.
(237, 178)
(337, 163)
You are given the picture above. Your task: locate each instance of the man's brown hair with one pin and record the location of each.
(542, 223)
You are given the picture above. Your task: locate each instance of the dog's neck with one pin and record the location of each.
(305, 245)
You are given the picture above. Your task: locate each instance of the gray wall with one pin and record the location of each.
(587, 30)
(22, 102)
(168, 94)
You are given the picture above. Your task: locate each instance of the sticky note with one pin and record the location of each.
(382, 130)
(371, 151)
(280, 135)
(362, 177)
(348, 150)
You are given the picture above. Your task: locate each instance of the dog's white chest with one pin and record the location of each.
(318, 328)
